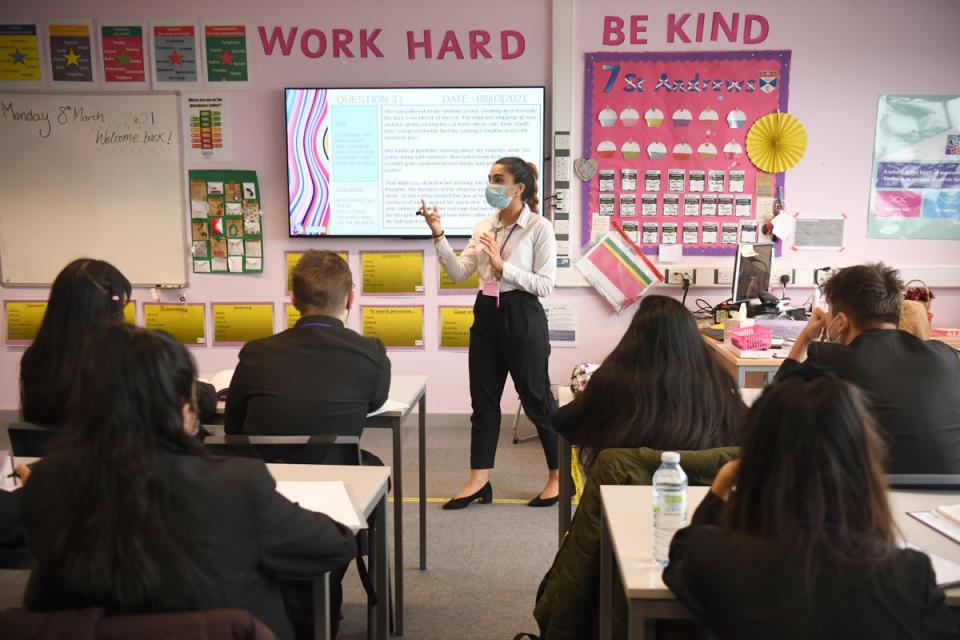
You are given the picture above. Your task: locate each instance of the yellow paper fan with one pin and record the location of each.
(776, 142)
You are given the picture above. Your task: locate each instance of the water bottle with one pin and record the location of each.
(669, 504)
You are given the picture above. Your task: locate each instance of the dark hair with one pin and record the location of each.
(866, 293)
(321, 279)
(524, 173)
(811, 477)
(660, 388)
(87, 294)
(118, 544)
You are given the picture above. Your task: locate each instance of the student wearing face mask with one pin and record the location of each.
(514, 251)
(911, 383)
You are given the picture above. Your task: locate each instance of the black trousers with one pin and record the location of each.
(509, 338)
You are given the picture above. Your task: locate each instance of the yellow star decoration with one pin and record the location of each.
(72, 58)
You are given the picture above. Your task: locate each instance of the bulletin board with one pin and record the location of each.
(668, 132)
(226, 226)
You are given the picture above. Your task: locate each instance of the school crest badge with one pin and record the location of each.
(768, 81)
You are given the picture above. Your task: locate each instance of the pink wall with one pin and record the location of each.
(844, 55)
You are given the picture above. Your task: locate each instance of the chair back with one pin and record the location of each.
(924, 481)
(31, 440)
(317, 449)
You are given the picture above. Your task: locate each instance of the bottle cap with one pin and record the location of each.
(670, 456)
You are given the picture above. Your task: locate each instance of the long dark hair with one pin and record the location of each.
(660, 388)
(524, 173)
(117, 544)
(87, 294)
(811, 476)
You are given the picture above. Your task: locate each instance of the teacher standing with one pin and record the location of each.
(514, 251)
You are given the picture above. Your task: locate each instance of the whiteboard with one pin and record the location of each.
(94, 175)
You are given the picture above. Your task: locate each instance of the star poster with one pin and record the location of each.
(71, 52)
(19, 53)
(175, 54)
(123, 51)
(226, 50)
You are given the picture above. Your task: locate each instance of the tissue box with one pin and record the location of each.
(786, 329)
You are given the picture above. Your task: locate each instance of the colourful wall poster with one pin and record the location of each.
(291, 315)
(185, 322)
(293, 257)
(23, 319)
(915, 187)
(71, 51)
(130, 312)
(226, 223)
(123, 52)
(667, 132)
(226, 52)
(448, 286)
(235, 324)
(206, 123)
(455, 323)
(20, 53)
(391, 273)
(399, 327)
(176, 54)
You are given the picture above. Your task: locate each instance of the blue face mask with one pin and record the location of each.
(497, 196)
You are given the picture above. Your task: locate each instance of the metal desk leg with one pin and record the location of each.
(397, 524)
(606, 580)
(741, 377)
(422, 435)
(379, 568)
(640, 627)
(565, 486)
(321, 607)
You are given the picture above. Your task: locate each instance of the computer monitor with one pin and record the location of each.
(751, 271)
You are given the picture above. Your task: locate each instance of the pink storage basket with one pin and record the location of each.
(753, 338)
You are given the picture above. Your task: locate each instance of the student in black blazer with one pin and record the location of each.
(130, 515)
(796, 540)
(912, 384)
(318, 377)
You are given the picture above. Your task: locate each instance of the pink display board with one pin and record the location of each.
(668, 131)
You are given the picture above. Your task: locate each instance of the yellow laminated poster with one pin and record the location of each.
(455, 323)
(130, 312)
(235, 324)
(23, 320)
(293, 257)
(447, 285)
(185, 322)
(399, 327)
(386, 273)
(292, 315)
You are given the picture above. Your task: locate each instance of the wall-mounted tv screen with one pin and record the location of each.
(360, 160)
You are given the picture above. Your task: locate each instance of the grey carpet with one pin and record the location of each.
(484, 562)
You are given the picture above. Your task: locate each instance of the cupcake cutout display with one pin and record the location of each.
(682, 151)
(707, 151)
(656, 150)
(630, 149)
(709, 115)
(682, 118)
(732, 150)
(607, 117)
(629, 117)
(653, 117)
(736, 119)
(606, 149)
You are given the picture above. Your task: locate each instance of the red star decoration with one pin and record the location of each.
(226, 58)
(175, 58)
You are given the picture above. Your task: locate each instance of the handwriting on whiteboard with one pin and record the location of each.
(140, 128)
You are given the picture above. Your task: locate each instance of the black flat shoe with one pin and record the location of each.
(544, 502)
(484, 496)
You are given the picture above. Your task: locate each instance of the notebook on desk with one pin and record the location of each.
(711, 332)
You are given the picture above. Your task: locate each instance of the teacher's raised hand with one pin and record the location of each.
(432, 216)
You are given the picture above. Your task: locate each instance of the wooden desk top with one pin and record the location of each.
(726, 351)
(629, 513)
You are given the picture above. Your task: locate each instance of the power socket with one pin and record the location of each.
(777, 273)
(724, 276)
(675, 276)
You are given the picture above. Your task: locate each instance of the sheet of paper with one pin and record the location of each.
(934, 521)
(330, 498)
(947, 573)
(7, 483)
(561, 323)
(670, 252)
(818, 233)
(387, 407)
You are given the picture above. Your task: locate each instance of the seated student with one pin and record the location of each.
(318, 377)
(86, 294)
(129, 514)
(805, 545)
(910, 383)
(660, 388)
